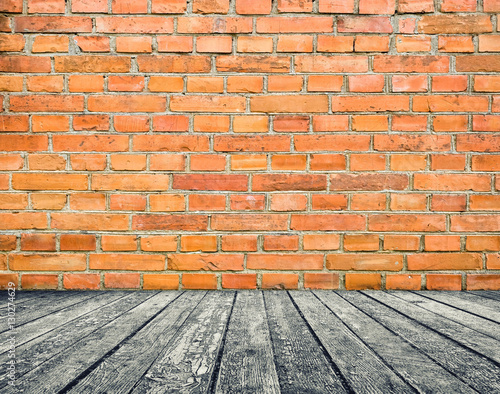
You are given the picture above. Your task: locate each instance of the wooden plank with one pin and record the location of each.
(36, 309)
(302, 367)
(361, 367)
(187, 363)
(473, 369)
(23, 296)
(121, 371)
(413, 366)
(247, 364)
(38, 327)
(40, 349)
(466, 336)
(64, 368)
(492, 295)
(476, 305)
(474, 322)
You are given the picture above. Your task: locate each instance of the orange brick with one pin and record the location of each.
(160, 282)
(122, 281)
(159, 243)
(280, 281)
(403, 282)
(198, 243)
(483, 282)
(239, 281)
(281, 242)
(81, 281)
(321, 281)
(50, 44)
(39, 282)
(118, 243)
(38, 242)
(444, 282)
(77, 242)
(239, 243)
(363, 281)
(199, 281)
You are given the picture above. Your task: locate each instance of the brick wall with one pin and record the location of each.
(216, 144)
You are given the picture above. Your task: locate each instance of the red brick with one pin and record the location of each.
(445, 261)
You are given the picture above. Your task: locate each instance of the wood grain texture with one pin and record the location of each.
(361, 367)
(471, 368)
(408, 362)
(476, 323)
(470, 303)
(465, 336)
(67, 366)
(187, 363)
(302, 367)
(121, 371)
(247, 364)
(255, 342)
(35, 352)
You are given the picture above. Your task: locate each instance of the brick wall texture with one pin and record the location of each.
(246, 144)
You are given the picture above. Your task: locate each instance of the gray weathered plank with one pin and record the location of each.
(65, 367)
(467, 302)
(361, 366)
(301, 365)
(413, 366)
(492, 295)
(33, 329)
(476, 323)
(471, 368)
(187, 363)
(22, 296)
(39, 307)
(123, 369)
(40, 349)
(247, 364)
(466, 336)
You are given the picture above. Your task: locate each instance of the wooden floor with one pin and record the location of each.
(253, 342)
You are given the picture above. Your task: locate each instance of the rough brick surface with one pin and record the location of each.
(250, 144)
